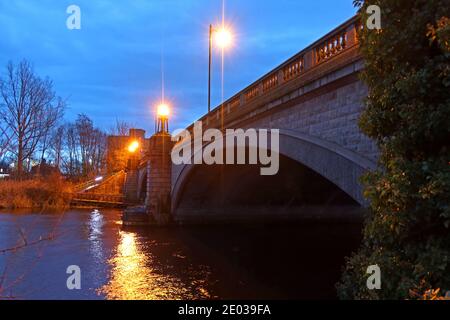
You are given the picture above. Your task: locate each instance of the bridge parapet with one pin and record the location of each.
(333, 51)
(315, 99)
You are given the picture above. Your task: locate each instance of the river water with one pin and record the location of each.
(296, 261)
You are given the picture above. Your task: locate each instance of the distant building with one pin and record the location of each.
(44, 169)
(118, 151)
(4, 170)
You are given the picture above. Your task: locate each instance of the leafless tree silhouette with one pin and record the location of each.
(29, 108)
(120, 129)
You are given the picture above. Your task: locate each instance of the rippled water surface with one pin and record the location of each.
(301, 260)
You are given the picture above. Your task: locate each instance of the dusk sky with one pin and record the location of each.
(111, 68)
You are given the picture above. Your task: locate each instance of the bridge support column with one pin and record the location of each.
(159, 179)
(130, 189)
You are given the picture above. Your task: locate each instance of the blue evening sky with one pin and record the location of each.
(111, 68)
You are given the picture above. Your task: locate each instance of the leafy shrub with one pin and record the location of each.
(407, 71)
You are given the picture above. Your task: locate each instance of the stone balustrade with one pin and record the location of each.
(331, 47)
(252, 93)
(270, 82)
(324, 50)
(294, 69)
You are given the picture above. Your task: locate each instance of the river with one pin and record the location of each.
(295, 261)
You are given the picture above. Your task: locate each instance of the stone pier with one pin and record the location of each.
(158, 172)
(131, 180)
(159, 179)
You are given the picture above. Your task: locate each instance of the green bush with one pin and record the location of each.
(407, 71)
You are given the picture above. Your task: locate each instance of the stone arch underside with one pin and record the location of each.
(142, 183)
(309, 167)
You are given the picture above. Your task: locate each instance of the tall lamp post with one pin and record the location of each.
(162, 118)
(223, 40)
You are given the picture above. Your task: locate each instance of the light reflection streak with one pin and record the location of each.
(137, 275)
(96, 223)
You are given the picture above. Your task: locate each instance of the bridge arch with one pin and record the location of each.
(336, 164)
(142, 183)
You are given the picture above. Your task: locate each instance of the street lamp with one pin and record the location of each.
(133, 146)
(133, 157)
(223, 39)
(162, 115)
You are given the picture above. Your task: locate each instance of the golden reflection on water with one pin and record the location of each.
(137, 275)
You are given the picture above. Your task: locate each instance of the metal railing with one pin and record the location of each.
(87, 185)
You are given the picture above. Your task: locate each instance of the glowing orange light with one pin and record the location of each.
(133, 146)
(223, 38)
(163, 110)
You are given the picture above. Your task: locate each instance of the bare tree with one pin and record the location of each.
(44, 143)
(28, 108)
(71, 163)
(91, 144)
(99, 152)
(120, 129)
(5, 139)
(85, 130)
(56, 145)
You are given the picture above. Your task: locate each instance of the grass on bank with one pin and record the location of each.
(51, 192)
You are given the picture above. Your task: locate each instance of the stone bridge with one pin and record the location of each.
(314, 99)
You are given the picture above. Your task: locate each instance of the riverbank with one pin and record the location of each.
(45, 193)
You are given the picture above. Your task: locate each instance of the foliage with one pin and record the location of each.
(407, 113)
